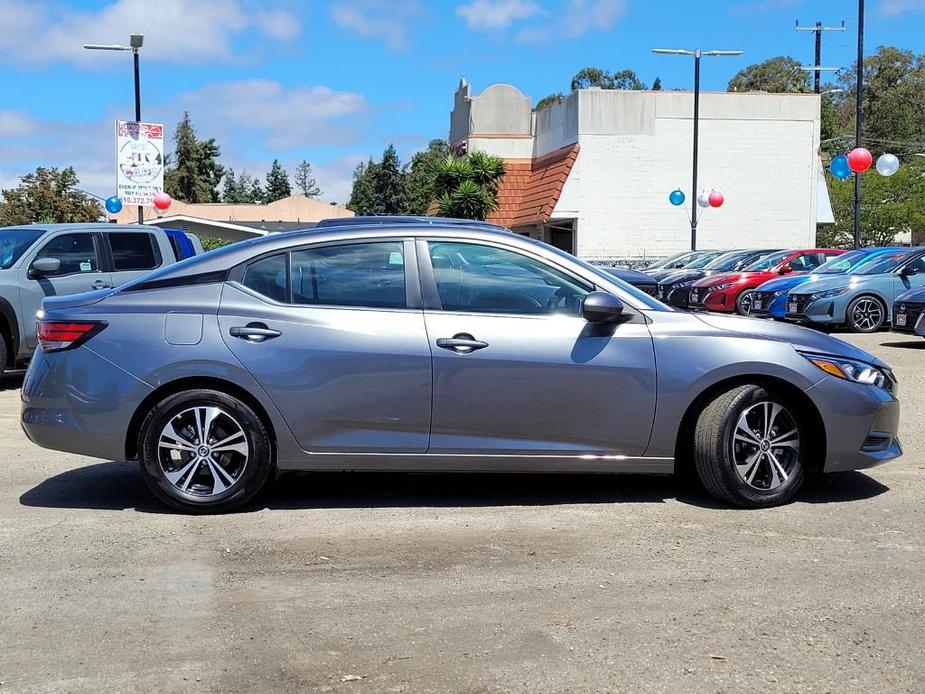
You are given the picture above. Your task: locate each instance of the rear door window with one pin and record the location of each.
(357, 274)
(132, 251)
(267, 277)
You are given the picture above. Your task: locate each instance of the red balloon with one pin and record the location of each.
(859, 160)
(716, 199)
(162, 201)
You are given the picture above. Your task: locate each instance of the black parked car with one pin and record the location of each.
(640, 280)
(675, 288)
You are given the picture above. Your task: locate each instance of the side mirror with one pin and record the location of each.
(44, 266)
(601, 307)
(786, 270)
(909, 271)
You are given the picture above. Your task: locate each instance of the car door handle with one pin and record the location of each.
(461, 343)
(254, 332)
(100, 284)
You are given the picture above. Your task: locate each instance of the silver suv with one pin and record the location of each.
(38, 261)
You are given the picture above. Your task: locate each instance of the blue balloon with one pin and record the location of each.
(113, 205)
(677, 197)
(839, 167)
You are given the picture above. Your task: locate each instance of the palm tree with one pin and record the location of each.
(467, 186)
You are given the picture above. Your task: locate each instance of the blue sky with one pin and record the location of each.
(336, 81)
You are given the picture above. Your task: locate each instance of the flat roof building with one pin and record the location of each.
(592, 173)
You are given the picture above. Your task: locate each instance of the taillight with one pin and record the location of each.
(57, 335)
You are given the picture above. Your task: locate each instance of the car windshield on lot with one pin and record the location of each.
(728, 261)
(767, 262)
(841, 263)
(884, 263)
(15, 242)
(704, 261)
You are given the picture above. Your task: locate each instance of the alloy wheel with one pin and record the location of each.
(745, 303)
(203, 451)
(867, 315)
(766, 446)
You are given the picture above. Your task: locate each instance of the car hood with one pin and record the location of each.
(913, 296)
(837, 282)
(781, 284)
(803, 339)
(49, 303)
(679, 276)
(659, 275)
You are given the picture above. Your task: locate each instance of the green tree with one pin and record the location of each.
(195, 174)
(549, 100)
(889, 206)
(627, 79)
(278, 186)
(467, 186)
(657, 84)
(49, 196)
(389, 184)
(362, 195)
(775, 75)
(419, 177)
(595, 77)
(305, 181)
(231, 188)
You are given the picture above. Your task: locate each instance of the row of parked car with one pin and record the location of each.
(864, 290)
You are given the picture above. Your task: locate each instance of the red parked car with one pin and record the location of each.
(732, 291)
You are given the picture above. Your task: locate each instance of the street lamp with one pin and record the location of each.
(697, 55)
(135, 43)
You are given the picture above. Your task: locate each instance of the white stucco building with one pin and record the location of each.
(592, 174)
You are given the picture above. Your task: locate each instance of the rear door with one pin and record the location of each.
(335, 335)
(517, 370)
(132, 254)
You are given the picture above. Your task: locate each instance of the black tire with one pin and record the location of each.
(744, 302)
(3, 354)
(716, 449)
(252, 474)
(859, 317)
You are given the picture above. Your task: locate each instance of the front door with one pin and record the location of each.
(80, 271)
(328, 333)
(518, 371)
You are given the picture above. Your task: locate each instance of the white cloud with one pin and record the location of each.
(16, 124)
(897, 8)
(496, 14)
(283, 118)
(388, 19)
(177, 31)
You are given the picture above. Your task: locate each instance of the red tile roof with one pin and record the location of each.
(531, 188)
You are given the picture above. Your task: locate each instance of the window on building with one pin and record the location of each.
(485, 279)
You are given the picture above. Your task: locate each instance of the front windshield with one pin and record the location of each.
(767, 262)
(15, 242)
(728, 261)
(701, 263)
(882, 263)
(841, 263)
(669, 261)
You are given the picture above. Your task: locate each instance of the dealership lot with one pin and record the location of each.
(463, 583)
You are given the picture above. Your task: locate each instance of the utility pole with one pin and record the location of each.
(818, 29)
(858, 129)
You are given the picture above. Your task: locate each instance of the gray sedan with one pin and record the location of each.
(429, 347)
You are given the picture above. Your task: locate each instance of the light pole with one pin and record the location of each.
(135, 43)
(858, 124)
(697, 55)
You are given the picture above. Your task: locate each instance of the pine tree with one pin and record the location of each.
(362, 196)
(196, 173)
(657, 84)
(304, 180)
(231, 189)
(389, 184)
(277, 183)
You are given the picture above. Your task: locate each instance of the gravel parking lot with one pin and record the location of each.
(427, 583)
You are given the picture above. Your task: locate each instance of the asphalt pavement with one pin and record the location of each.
(455, 583)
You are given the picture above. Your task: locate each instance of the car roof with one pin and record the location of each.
(92, 226)
(374, 220)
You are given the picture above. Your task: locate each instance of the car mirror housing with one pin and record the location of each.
(909, 271)
(602, 307)
(44, 266)
(786, 270)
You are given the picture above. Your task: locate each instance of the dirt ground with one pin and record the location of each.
(454, 583)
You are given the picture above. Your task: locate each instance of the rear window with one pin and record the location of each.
(132, 251)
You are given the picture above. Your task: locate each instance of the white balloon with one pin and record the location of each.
(703, 199)
(887, 164)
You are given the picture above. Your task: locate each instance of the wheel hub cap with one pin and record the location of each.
(766, 445)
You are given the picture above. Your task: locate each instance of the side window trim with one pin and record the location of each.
(431, 295)
(97, 249)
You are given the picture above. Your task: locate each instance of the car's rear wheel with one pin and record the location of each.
(866, 314)
(204, 451)
(749, 447)
(3, 354)
(744, 302)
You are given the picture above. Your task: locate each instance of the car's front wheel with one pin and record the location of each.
(744, 302)
(204, 451)
(749, 447)
(866, 314)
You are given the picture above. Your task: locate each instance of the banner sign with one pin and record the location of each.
(139, 162)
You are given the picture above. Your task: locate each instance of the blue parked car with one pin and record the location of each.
(909, 312)
(863, 300)
(770, 298)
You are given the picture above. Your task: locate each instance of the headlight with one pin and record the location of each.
(828, 293)
(682, 285)
(849, 369)
(720, 287)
